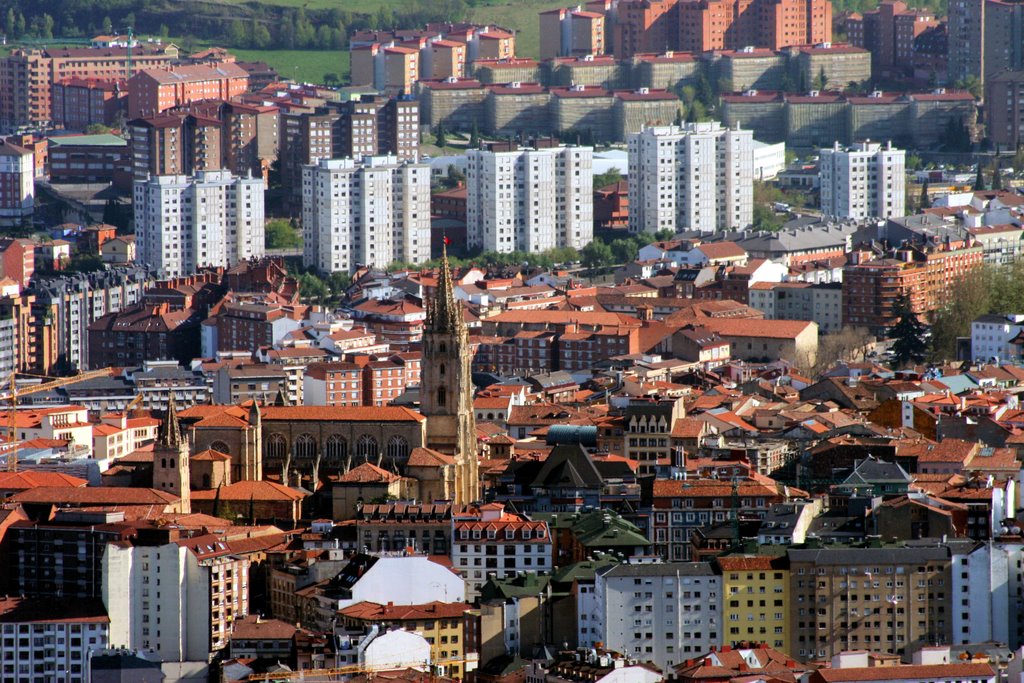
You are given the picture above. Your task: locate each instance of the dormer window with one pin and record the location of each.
(476, 534)
(492, 534)
(464, 533)
(527, 533)
(541, 533)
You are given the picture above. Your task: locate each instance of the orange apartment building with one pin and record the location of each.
(495, 44)
(567, 32)
(889, 32)
(871, 287)
(401, 69)
(81, 102)
(27, 76)
(447, 59)
(153, 91)
(735, 24)
(645, 26)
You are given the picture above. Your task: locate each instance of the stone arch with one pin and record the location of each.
(398, 448)
(275, 447)
(220, 447)
(304, 447)
(367, 447)
(335, 448)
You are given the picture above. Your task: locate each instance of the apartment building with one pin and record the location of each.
(64, 307)
(755, 599)
(154, 91)
(498, 544)
(571, 32)
(699, 176)
(1004, 108)
(645, 26)
(369, 126)
(27, 76)
(529, 199)
(207, 136)
(734, 24)
(872, 286)
(888, 32)
(865, 180)
(371, 212)
(659, 612)
(647, 428)
(81, 102)
(50, 639)
(17, 184)
(984, 38)
(174, 595)
(441, 623)
(185, 222)
(680, 506)
(891, 599)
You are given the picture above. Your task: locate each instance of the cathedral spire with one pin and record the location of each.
(443, 313)
(170, 430)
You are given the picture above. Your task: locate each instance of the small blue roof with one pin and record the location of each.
(585, 435)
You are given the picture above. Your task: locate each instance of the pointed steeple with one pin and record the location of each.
(170, 430)
(443, 313)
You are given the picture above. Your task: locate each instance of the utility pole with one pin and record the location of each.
(129, 65)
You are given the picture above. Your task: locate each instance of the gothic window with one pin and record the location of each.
(305, 447)
(220, 447)
(442, 396)
(172, 462)
(163, 462)
(275, 447)
(366, 447)
(442, 348)
(398, 448)
(336, 448)
(440, 370)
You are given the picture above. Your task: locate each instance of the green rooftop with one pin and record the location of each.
(98, 140)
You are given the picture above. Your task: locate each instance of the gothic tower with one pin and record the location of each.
(170, 459)
(446, 389)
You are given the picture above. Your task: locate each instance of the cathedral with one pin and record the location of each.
(437, 445)
(446, 389)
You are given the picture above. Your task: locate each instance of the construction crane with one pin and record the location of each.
(324, 675)
(13, 393)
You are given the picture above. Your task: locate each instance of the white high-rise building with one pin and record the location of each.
(529, 199)
(865, 180)
(698, 176)
(663, 613)
(212, 219)
(365, 213)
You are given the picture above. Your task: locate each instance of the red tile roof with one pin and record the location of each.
(367, 473)
(30, 479)
(372, 611)
(341, 414)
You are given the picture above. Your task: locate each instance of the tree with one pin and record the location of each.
(925, 200)
(953, 319)
(765, 219)
(907, 335)
(979, 181)
(108, 26)
(331, 79)
(237, 35)
(442, 140)
(612, 175)
(312, 289)
(261, 39)
(997, 178)
(10, 24)
(596, 254)
(822, 80)
(279, 234)
(474, 137)
(848, 344)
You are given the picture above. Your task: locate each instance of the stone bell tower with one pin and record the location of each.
(446, 388)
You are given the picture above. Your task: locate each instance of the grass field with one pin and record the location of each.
(304, 65)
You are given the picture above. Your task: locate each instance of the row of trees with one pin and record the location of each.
(248, 25)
